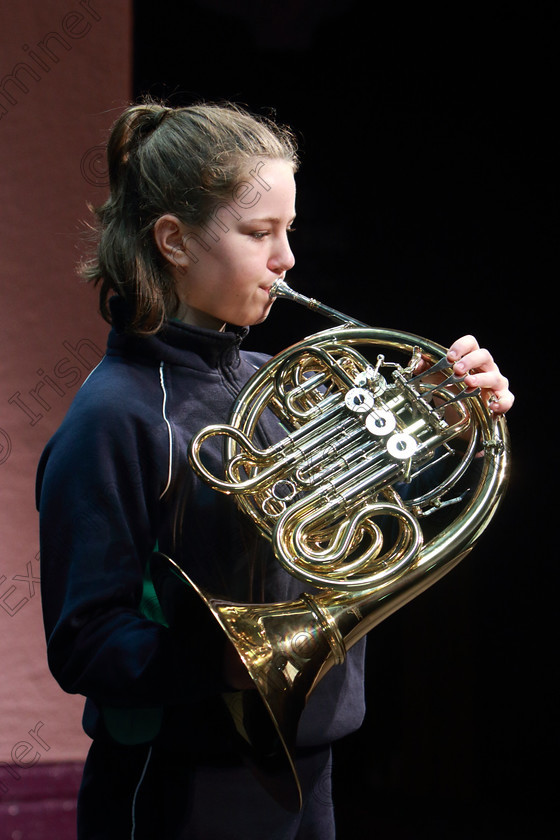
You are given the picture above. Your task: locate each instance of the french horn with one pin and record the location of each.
(382, 438)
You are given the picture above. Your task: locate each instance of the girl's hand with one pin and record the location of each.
(483, 372)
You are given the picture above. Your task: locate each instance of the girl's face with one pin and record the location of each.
(225, 268)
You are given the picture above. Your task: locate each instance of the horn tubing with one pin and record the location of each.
(280, 289)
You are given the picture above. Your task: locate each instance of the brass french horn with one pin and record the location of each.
(341, 499)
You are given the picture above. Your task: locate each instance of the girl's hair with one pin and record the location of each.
(183, 161)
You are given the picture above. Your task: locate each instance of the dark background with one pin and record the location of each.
(426, 199)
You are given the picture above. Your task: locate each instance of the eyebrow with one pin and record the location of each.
(271, 219)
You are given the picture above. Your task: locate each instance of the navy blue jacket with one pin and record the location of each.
(113, 485)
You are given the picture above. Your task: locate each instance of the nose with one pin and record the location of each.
(282, 258)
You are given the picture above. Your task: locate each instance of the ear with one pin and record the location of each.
(169, 234)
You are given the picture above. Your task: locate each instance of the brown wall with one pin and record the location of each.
(64, 74)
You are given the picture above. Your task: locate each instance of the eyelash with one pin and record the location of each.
(260, 234)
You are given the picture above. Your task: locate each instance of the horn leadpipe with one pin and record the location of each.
(281, 289)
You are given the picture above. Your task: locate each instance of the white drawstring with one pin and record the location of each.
(164, 408)
(136, 794)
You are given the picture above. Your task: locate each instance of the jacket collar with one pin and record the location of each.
(176, 342)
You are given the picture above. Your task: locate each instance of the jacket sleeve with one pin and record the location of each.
(98, 488)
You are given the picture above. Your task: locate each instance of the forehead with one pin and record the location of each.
(267, 187)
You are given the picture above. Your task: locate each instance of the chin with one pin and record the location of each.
(258, 319)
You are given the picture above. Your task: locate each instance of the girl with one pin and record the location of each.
(191, 239)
